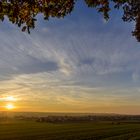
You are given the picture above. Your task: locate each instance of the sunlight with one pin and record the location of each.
(10, 106)
(10, 98)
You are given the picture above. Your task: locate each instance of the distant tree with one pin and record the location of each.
(24, 12)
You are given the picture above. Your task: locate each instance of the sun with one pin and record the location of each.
(10, 106)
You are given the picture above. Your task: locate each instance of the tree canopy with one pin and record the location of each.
(24, 12)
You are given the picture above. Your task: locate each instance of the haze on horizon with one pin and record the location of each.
(77, 64)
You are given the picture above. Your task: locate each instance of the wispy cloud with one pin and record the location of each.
(71, 63)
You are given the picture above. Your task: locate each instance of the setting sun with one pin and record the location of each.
(9, 106)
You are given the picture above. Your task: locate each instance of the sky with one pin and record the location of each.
(81, 63)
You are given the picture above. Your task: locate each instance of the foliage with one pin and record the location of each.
(131, 9)
(24, 12)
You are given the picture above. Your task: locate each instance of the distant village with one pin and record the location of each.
(78, 118)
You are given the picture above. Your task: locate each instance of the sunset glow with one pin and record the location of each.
(10, 106)
(73, 65)
(10, 98)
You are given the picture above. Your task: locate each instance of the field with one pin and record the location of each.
(31, 130)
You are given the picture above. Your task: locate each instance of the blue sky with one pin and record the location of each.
(77, 64)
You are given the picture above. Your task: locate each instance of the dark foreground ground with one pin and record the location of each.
(32, 130)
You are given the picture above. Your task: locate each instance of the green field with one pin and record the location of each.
(31, 130)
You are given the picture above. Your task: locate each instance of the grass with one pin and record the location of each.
(30, 130)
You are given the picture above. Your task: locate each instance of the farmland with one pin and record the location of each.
(16, 129)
